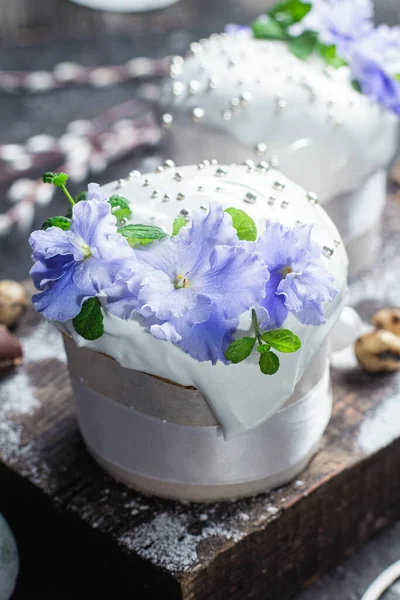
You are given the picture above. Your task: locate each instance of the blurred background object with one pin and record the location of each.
(8, 561)
(126, 5)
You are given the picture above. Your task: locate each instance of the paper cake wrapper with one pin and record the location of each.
(162, 438)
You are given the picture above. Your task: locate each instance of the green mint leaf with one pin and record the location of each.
(397, 77)
(240, 349)
(356, 85)
(89, 323)
(120, 207)
(282, 340)
(263, 348)
(178, 224)
(269, 363)
(268, 29)
(57, 179)
(303, 45)
(329, 55)
(288, 12)
(141, 234)
(61, 222)
(245, 227)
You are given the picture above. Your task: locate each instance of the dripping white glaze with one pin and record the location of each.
(240, 395)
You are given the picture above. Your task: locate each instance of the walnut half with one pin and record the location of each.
(378, 351)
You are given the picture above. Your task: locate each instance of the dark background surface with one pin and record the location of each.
(35, 35)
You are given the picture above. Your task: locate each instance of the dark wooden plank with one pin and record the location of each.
(265, 547)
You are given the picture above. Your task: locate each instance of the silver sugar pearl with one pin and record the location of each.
(260, 149)
(178, 176)
(284, 204)
(201, 165)
(168, 164)
(337, 243)
(197, 114)
(175, 71)
(200, 189)
(312, 198)
(155, 193)
(249, 163)
(279, 186)
(134, 175)
(159, 169)
(146, 182)
(177, 60)
(226, 114)
(194, 87)
(166, 197)
(167, 120)
(206, 163)
(184, 212)
(281, 103)
(219, 189)
(204, 208)
(180, 196)
(245, 98)
(263, 167)
(178, 88)
(121, 183)
(221, 172)
(271, 200)
(195, 48)
(326, 251)
(235, 102)
(214, 161)
(250, 198)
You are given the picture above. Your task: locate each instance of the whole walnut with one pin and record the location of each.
(389, 319)
(378, 351)
(13, 301)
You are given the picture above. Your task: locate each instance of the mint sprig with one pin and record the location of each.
(282, 340)
(178, 224)
(59, 180)
(275, 26)
(120, 207)
(141, 234)
(90, 321)
(61, 222)
(245, 227)
(289, 12)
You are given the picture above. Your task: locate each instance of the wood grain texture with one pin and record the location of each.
(266, 547)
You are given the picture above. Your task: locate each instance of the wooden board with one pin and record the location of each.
(81, 533)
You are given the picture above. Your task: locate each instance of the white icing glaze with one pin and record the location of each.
(240, 395)
(328, 137)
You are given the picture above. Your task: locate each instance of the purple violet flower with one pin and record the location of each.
(299, 282)
(198, 283)
(337, 22)
(374, 62)
(71, 266)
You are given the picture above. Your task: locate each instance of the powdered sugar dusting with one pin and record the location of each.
(18, 396)
(166, 540)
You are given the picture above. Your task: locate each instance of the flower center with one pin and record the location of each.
(285, 271)
(86, 251)
(181, 282)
